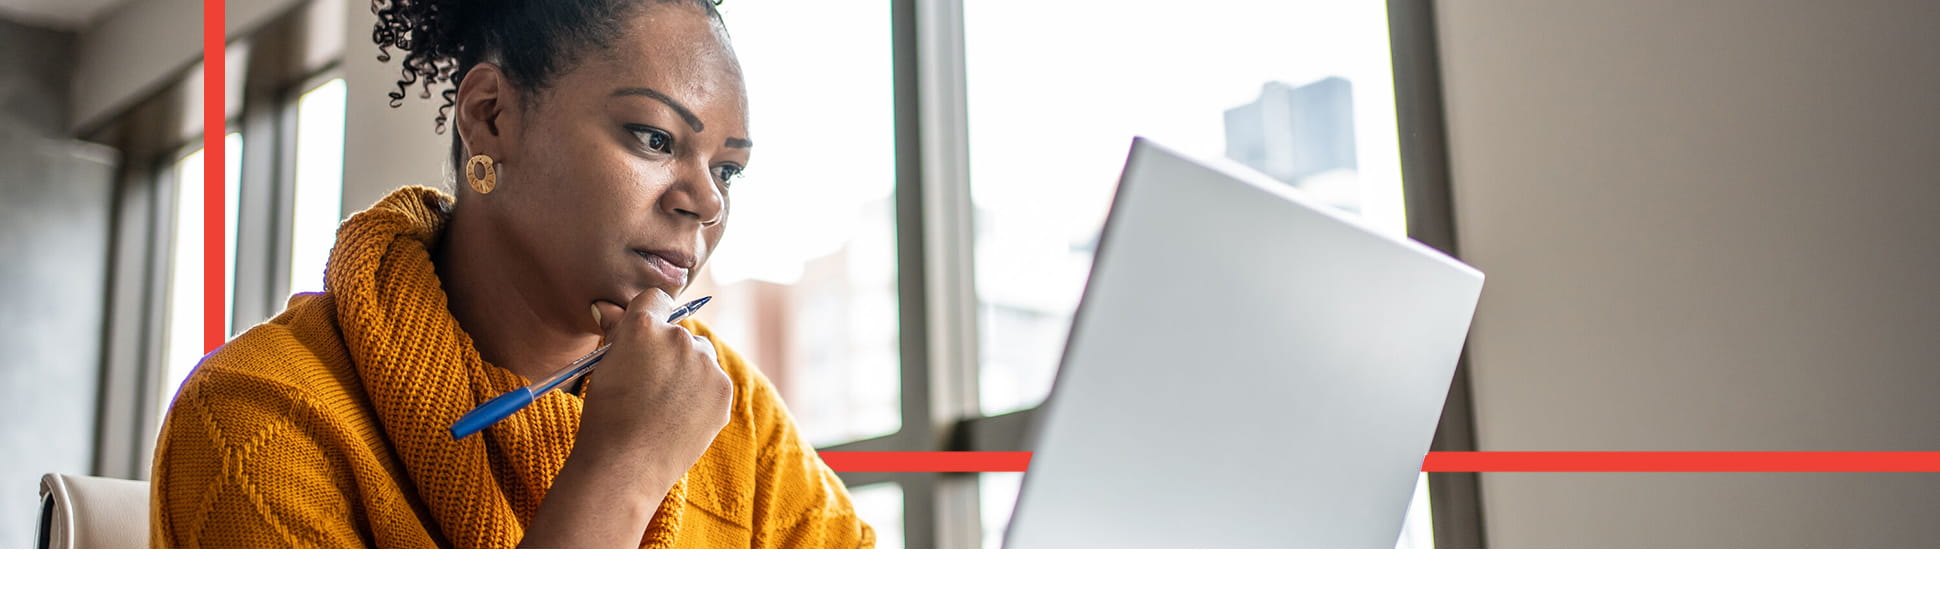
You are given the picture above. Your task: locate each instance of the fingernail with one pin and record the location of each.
(596, 314)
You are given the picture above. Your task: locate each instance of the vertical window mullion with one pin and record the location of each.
(1455, 499)
(124, 388)
(933, 254)
(282, 198)
(949, 237)
(161, 224)
(256, 238)
(918, 521)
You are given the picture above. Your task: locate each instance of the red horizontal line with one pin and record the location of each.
(1471, 462)
(1681, 462)
(927, 462)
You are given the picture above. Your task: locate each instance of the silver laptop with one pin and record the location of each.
(1246, 370)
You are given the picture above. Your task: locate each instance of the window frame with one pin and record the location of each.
(151, 137)
(1454, 499)
(936, 289)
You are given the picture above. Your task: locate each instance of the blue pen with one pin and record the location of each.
(497, 409)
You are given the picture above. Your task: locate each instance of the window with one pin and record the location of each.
(156, 332)
(997, 497)
(1300, 91)
(881, 506)
(805, 278)
(318, 202)
(182, 332)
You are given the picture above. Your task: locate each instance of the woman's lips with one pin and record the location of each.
(672, 274)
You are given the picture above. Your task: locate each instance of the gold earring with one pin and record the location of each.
(483, 184)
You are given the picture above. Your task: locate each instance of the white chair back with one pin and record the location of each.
(78, 511)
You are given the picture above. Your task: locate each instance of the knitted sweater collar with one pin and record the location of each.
(421, 372)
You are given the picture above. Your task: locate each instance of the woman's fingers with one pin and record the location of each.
(654, 305)
(650, 306)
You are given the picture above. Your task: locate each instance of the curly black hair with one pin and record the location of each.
(530, 39)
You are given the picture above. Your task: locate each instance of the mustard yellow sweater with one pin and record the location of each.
(326, 427)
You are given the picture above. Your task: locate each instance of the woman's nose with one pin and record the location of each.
(694, 194)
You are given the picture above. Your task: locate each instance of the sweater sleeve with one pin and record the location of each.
(798, 502)
(233, 469)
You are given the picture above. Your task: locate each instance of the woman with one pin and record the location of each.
(598, 139)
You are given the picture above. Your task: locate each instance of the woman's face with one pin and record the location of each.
(616, 179)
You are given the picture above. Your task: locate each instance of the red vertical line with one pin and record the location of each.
(214, 233)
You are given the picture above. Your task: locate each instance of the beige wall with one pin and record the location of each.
(1707, 226)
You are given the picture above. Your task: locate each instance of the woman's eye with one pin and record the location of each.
(655, 140)
(727, 173)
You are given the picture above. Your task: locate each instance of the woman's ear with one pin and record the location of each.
(487, 113)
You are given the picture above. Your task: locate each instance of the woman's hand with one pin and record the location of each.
(660, 392)
(657, 402)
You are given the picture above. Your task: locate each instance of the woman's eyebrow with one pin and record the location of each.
(693, 122)
(685, 115)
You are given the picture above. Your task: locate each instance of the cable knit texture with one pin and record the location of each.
(326, 427)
